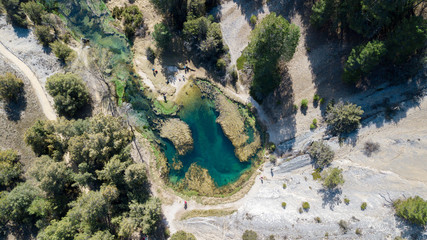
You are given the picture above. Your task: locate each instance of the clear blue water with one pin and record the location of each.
(212, 149)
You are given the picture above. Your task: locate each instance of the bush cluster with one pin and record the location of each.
(413, 209)
(181, 235)
(250, 235)
(321, 153)
(131, 18)
(69, 93)
(11, 87)
(343, 117)
(333, 178)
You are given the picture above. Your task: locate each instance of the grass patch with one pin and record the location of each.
(207, 213)
(165, 108)
(316, 174)
(240, 63)
(120, 91)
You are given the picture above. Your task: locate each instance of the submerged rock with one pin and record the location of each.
(179, 133)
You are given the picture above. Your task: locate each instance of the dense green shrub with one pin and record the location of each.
(272, 39)
(131, 17)
(162, 36)
(408, 37)
(221, 65)
(363, 206)
(181, 235)
(10, 168)
(363, 59)
(34, 11)
(44, 34)
(69, 93)
(346, 201)
(62, 51)
(321, 153)
(413, 209)
(14, 12)
(253, 20)
(14, 204)
(284, 186)
(283, 204)
(249, 235)
(333, 178)
(305, 206)
(10, 87)
(304, 103)
(343, 117)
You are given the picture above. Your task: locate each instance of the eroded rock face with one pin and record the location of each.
(179, 133)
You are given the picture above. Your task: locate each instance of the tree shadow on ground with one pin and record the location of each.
(21, 32)
(331, 197)
(15, 108)
(410, 230)
(249, 8)
(279, 107)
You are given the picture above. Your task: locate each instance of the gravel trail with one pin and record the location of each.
(48, 110)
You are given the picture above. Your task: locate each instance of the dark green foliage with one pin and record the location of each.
(141, 217)
(394, 21)
(363, 59)
(10, 87)
(10, 168)
(43, 140)
(181, 235)
(53, 177)
(131, 17)
(136, 180)
(34, 11)
(363, 206)
(196, 8)
(333, 178)
(321, 153)
(44, 34)
(249, 235)
(346, 201)
(69, 93)
(62, 51)
(195, 30)
(344, 117)
(14, 205)
(408, 37)
(283, 204)
(413, 209)
(221, 65)
(14, 12)
(273, 38)
(162, 36)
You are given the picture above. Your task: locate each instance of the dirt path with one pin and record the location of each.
(41, 96)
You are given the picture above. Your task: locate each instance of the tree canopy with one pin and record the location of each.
(273, 38)
(413, 209)
(69, 93)
(10, 168)
(333, 178)
(344, 117)
(321, 153)
(10, 87)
